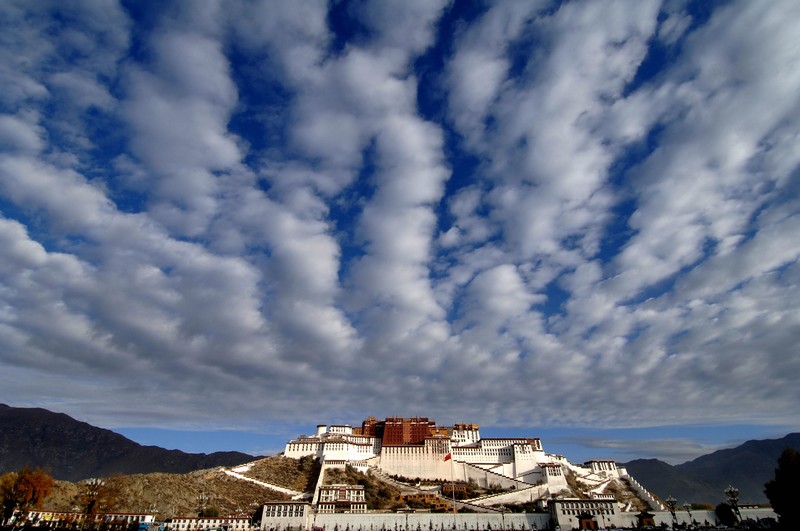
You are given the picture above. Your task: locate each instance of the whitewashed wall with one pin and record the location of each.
(430, 521)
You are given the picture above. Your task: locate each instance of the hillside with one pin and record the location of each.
(296, 474)
(73, 450)
(665, 480)
(168, 494)
(746, 467)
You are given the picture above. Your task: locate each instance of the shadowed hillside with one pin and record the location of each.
(73, 450)
(747, 467)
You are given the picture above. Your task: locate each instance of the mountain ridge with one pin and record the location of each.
(73, 450)
(703, 479)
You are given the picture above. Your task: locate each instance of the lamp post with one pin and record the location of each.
(202, 500)
(92, 493)
(733, 500)
(671, 504)
(688, 507)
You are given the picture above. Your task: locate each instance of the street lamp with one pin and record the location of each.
(92, 493)
(688, 507)
(733, 500)
(202, 500)
(671, 504)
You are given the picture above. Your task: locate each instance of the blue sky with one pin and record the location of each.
(222, 223)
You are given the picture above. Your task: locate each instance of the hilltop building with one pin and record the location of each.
(416, 448)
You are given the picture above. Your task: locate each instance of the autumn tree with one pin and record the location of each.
(7, 497)
(24, 490)
(784, 491)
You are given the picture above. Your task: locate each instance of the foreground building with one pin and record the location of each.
(208, 523)
(563, 515)
(79, 519)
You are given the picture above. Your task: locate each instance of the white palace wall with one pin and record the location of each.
(424, 462)
(341, 446)
(477, 521)
(430, 521)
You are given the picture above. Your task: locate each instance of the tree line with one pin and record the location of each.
(27, 489)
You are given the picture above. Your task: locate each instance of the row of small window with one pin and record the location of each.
(585, 505)
(327, 509)
(280, 510)
(482, 451)
(406, 450)
(332, 495)
(576, 512)
(502, 444)
(304, 447)
(206, 521)
(205, 526)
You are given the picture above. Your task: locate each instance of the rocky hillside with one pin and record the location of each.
(170, 495)
(73, 450)
(296, 474)
(183, 494)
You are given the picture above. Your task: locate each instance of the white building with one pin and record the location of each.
(568, 513)
(342, 499)
(285, 515)
(459, 453)
(334, 442)
(208, 524)
(65, 518)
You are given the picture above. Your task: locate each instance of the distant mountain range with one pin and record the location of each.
(72, 450)
(746, 467)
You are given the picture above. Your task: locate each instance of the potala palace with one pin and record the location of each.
(438, 479)
(428, 462)
(416, 449)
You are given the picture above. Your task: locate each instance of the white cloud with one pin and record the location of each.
(232, 199)
(402, 24)
(548, 166)
(72, 206)
(21, 132)
(82, 91)
(711, 174)
(481, 62)
(21, 252)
